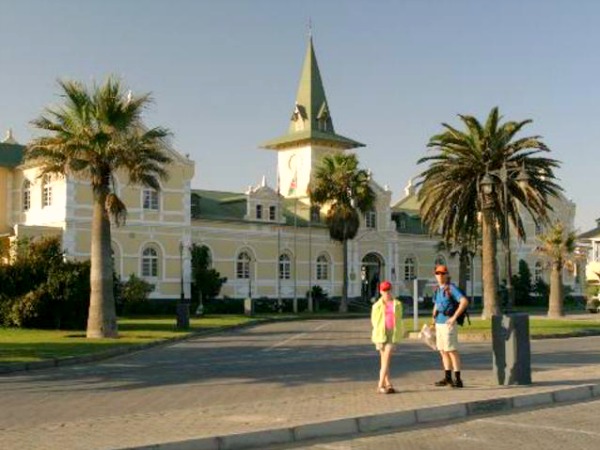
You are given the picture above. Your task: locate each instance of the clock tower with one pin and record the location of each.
(310, 135)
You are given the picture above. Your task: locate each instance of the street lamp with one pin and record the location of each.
(504, 174)
(183, 308)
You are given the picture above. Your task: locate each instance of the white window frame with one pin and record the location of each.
(371, 219)
(322, 267)
(150, 266)
(259, 212)
(242, 266)
(46, 191)
(151, 200)
(26, 199)
(410, 264)
(285, 267)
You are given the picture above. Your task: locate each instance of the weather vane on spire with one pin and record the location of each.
(309, 27)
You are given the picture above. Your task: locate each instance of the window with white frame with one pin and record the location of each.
(285, 267)
(46, 191)
(371, 219)
(242, 269)
(322, 267)
(272, 213)
(538, 271)
(259, 211)
(151, 199)
(26, 195)
(150, 262)
(409, 268)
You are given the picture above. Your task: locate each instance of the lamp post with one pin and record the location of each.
(183, 308)
(503, 175)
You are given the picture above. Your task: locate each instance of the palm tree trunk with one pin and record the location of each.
(490, 281)
(555, 303)
(102, 319)
(344, 302)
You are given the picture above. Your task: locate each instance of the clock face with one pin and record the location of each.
(292, 161)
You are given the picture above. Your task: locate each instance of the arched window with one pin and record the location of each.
(322, 267)
(285, 267)
(409, 268)
(150, 262)
(26, 195)
(243, 265)
(46, 191)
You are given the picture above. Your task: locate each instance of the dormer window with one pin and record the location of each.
(323, 118)
(259, 212)
(371, 219)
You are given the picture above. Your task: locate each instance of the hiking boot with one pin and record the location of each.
(443, 382)
(457, 384)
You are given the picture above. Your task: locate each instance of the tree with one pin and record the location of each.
(346, 190)
(557, 245)
(96, 133)
(465, 253)
(207, 281)
(452, 202)
(522, 284)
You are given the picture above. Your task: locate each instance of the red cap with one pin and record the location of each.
(441, 269)
(385, 286)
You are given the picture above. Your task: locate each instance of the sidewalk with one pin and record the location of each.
(278, 420)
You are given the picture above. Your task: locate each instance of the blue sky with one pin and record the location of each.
(224, 75)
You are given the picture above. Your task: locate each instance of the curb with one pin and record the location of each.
(395, 421)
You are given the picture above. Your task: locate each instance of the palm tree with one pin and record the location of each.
(452, 202)
(465, 253)
(94, 134)
(346, 189)
(558, 247)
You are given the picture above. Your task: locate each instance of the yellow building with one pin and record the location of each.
(267, 243)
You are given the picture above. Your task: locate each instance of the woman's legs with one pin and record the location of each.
(384, 372)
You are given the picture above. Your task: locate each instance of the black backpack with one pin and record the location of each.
(453, 306)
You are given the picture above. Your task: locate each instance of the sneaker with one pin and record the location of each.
(443, 382)
(457, 384)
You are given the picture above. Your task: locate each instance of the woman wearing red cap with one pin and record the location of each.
(386, 319)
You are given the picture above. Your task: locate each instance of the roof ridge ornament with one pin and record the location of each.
(10, 139)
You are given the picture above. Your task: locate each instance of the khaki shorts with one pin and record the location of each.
(388, 341)
(446, 337)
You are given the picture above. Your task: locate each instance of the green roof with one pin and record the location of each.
(231, 206)
(11, 155)
(313, 110)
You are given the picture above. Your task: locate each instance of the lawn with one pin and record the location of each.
(21, 345)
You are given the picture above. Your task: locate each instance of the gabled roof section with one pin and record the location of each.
(591, 234)
(311, 119)
(11, 155)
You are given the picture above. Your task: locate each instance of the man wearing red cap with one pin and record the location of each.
(386, 319)
(449, 304)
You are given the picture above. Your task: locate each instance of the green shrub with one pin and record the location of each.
(133, 296)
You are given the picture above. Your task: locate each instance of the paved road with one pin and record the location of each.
(289, 361)
(572, 426)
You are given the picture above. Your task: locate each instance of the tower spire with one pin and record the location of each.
(311, 118)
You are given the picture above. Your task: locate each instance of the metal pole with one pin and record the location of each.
(295, 301)
(508, 268)
(310, 214)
